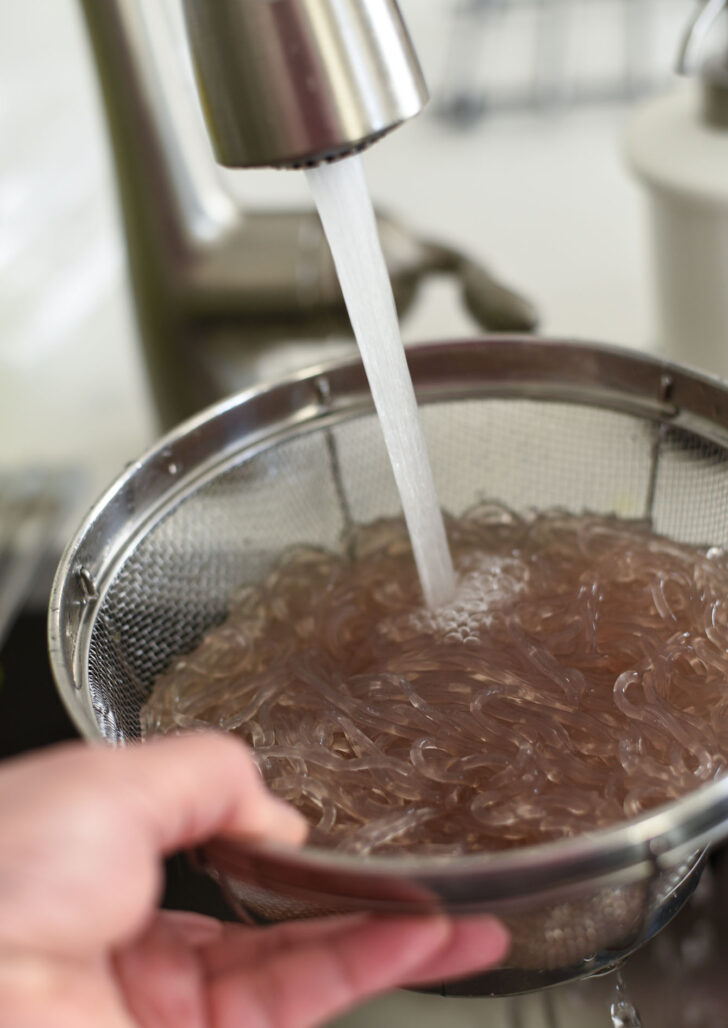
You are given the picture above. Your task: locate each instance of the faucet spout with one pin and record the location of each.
(295, 82)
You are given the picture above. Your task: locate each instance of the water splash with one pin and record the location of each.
(622, 1010)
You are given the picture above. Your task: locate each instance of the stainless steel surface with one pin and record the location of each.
(536, 424)
(300, 81)
(224, 296)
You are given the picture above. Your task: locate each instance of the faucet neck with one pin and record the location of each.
(171, 197)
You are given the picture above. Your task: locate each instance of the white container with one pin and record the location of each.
(683, 163)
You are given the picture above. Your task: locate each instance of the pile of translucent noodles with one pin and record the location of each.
(579, 678)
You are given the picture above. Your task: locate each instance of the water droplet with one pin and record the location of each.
(623, 1011)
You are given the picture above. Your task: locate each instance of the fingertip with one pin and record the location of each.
(277, 822)
(292, 825)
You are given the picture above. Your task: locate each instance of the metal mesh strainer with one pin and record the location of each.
(529, 423)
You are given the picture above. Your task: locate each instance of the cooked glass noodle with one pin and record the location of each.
(578, 678)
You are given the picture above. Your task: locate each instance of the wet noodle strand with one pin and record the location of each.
(577, 678)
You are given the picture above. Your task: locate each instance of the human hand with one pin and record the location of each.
(83, 832)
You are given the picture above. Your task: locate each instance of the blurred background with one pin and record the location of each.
(518, 160)
(535, 158)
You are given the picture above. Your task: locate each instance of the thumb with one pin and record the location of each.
(185, 789)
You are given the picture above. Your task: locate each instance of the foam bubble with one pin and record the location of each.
(486, 582)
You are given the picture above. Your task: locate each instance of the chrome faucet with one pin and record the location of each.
(285, 83)
(292, 82)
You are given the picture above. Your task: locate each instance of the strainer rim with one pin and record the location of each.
(648, 838)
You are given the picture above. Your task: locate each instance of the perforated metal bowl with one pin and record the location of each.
(532, 424)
